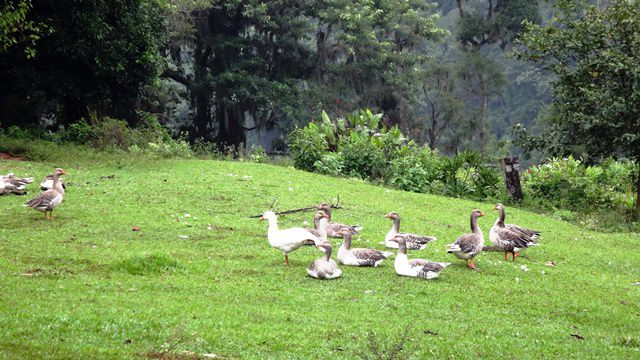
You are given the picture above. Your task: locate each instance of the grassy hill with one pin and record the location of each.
(200, 278)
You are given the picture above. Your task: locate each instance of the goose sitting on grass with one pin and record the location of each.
(468, 246)
(510, 238)
(47, 183)
(287, 240)
(359, 256)
(413, 241)
(419, 268)
(325, 267)
(333, 228)
(50, 199)
(10, 184)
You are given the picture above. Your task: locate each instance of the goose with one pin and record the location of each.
(287, 240)
(414, 242)
(48, 200)
(510, 238)
(468, 246)
(320, 220)
(47, 183)
(333, 228)
(533, 234)
(325, 267)
(11, 184)
(359, 256)
(419, 268)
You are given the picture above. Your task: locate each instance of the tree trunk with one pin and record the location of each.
(482, 127)
(74, 110)
(638, 191)
(230, 119)
(202, 118)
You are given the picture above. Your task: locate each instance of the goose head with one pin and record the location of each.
(324, 207)
(499, 207)
(393, 215)
(476, 213)
(268, 215)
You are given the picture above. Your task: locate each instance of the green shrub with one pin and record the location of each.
(362, 156)
(329, 164)
(307, 146)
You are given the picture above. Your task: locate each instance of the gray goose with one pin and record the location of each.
(48, 200)
(325, 267)
(333, 228)
(511, 238)
(468, 246)
(359, 256)
(11, 184)
(419, 268)
(533, 234)
(320, 221)
(413, 241)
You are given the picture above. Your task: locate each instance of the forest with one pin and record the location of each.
(492, 77)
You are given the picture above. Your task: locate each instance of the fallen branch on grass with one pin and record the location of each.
(336, 206)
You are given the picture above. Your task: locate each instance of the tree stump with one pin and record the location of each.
(511, 169)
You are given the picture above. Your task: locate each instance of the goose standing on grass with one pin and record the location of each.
(510, 238)
(532, 234)
(48, 200)
(287, 240)
(468, 246)
(325, 267)
(413, 241)
(11, 184)
(419, 268)
(333, 228)
(320, 221)
(359, 256)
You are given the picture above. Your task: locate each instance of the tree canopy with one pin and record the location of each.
(593, 54)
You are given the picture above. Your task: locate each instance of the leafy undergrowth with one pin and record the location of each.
(199, 280)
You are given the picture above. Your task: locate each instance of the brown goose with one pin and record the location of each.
(333, 228)
(414, 242)
(510, 238)
(287, 240)
(325, 267)
(468, 246)
(533, 234)
(48, 200)
(11, 184)
(419, 268)
(320, 221)
(359, 256)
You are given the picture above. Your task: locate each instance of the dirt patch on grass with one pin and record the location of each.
(48, 273)
(7, 156)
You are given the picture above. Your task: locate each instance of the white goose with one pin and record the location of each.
(414, 242)
(287, 240)
(325, 267)
(359, 256)
(419, 268)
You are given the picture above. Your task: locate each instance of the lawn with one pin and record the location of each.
(200, 278)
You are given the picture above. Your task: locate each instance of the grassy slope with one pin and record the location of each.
(231, 295)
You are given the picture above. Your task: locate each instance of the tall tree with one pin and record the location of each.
(97, 58)
(483, 23)
(594, 55)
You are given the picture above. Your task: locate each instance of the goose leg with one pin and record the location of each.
(286, 259)
(472, 266)
(45, 215)
(514, 255)
(505, 256)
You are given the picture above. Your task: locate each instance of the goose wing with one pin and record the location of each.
(369, 257)
(46, 200)
(532, 234)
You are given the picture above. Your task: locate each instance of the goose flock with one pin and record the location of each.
(46, 201)
(508, 238)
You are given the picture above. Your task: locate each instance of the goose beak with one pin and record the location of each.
(388, 216)
(261, 218)
(495, 208)
(481, 214)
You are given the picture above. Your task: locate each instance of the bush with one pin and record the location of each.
(329, 164)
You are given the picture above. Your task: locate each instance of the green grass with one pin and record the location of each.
(200, 278)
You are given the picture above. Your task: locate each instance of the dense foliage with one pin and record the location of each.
(96, 58)
(359, 145)
(594, 54)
